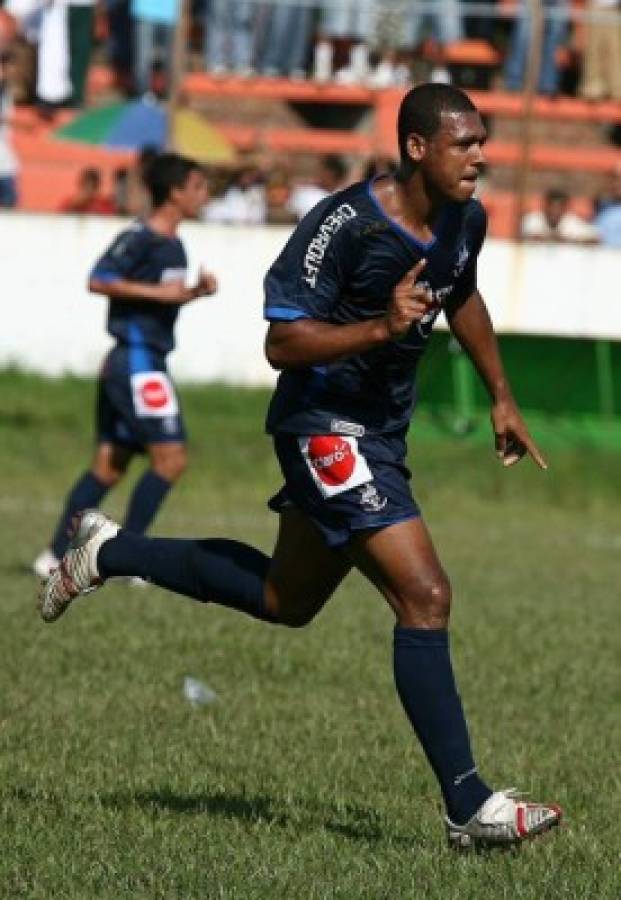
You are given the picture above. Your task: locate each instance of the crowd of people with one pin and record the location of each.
(376, 42)
(265, 191)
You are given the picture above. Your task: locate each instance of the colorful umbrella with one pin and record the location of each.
(142, 123)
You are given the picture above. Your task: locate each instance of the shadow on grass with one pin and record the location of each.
(353, 822)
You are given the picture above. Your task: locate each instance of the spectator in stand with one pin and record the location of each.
(120, 44)
(601, 71)
(229, 28)
(8, 160)
(244, 201)
(81, 14)
(349, 24)
(287, 39)
(331, 174)
(153, 25)
(555, 30)
(446, 28)
(88, 197)
(608, 218)
(479, 26)
(556, 223)
(65, 42)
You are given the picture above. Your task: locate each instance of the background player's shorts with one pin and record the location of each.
(345, 484)
(137, 408)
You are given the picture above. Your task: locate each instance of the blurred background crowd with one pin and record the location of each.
(49, 50)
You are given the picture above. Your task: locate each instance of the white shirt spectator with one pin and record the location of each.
(305, 197)
(238, 206)
(570, 227)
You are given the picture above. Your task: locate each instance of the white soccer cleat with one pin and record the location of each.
(77, 571)
(504, 820)
(45, 563)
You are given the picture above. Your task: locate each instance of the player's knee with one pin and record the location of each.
(108, 475)
(428, 603)
(171, 466)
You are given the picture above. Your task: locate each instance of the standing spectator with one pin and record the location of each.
(349, 23)
(608, 218)
(80, 23)
(154, 22)
(88, 197)
(229, 25)
(287, 41)
(601, 72)
(120, 45)
(555, 222)
(555, 30)
(8, 160)
(65, 41)
(53, 81)
(330, 178)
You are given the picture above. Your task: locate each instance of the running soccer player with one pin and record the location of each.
(143, 275)
(351, 301)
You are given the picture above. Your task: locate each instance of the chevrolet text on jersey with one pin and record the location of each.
(316, 250)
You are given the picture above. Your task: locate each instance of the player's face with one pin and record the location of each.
(454, 157)
(193, 195)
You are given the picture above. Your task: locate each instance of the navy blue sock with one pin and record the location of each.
(213, 570)
(426, 686)
(145, 501)
(87, 491)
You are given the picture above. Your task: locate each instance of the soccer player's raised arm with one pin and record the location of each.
(472, 326)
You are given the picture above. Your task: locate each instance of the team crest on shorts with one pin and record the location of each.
(370, 498)
(334, 462)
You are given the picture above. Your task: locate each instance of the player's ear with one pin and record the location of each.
(416, 146)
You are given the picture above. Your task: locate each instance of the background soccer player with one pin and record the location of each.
(143, 275)
(351, 302)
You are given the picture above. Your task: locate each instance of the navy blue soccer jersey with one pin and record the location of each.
(340, 266)
(140, 254)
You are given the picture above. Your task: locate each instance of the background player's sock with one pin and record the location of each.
(216, 570)
(426, 686)
(87, 491)
(145, 501)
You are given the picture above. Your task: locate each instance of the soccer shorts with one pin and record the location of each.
(135, 409)
(345, 484)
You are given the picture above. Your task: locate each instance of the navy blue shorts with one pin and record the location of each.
(345, 484)
(137, 408)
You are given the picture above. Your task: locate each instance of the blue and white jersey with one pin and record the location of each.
(140, 254)
(340, 266)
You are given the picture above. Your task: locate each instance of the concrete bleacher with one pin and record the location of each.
(49, 167)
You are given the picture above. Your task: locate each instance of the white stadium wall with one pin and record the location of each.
(52, 325)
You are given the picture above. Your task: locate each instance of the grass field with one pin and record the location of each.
(303, 780)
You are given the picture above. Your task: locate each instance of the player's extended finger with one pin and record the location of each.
(415, 271)
(533, 451)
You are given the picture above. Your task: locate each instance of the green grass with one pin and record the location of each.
(303, 780)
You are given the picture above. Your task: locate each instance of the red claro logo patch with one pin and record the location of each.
(154, 394)
(332, 459)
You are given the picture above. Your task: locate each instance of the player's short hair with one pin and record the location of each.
(167, 172)
(421, 111)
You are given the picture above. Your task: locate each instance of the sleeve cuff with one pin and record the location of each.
(284, 314)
